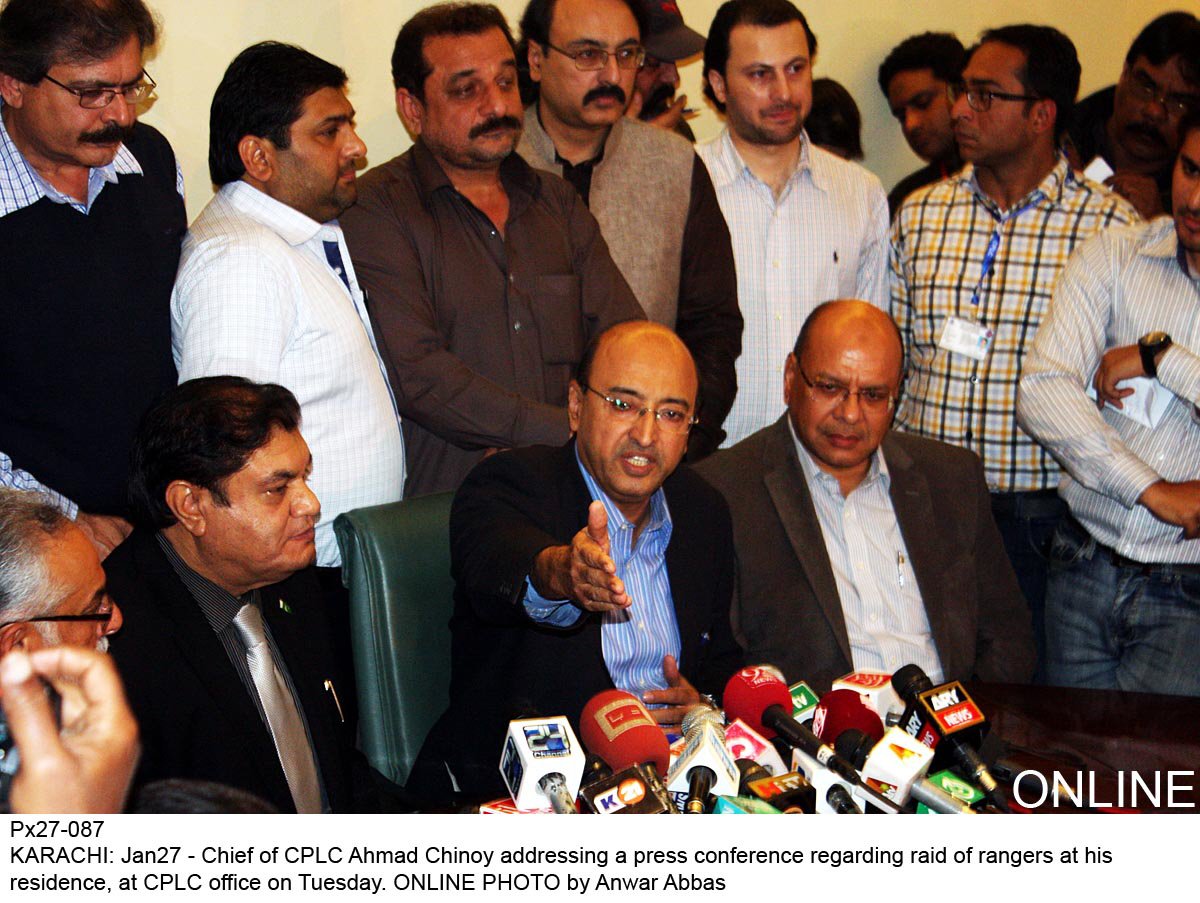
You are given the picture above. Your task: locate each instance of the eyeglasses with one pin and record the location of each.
(591, 59)
(872, 398)
(97, 617)
(1146, 90)
(97, 98)
(671, 418)
(980, 99)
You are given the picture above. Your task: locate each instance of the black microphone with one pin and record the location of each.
(947, 720)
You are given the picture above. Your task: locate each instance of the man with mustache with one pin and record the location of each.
(583, 56)
(226, 662)
(807, 226)
(668, 41)
(601, 563)
(91, 217)
(52, 587)
(267, 290)
(858, 547)
(1133, 126)
(487, 277)
(974, 260)
(1121, 607)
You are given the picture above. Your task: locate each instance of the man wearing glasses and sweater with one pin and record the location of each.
(91, 209)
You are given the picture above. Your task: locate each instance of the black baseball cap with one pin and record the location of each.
(667, 37)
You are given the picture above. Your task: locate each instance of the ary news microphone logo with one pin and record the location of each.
(629, 792)
(952, 707)
(547, 741)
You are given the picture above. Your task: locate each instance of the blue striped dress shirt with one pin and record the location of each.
(634, 640)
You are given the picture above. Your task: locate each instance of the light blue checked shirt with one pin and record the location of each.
(634, 640)
(21, 186)
(14, 478)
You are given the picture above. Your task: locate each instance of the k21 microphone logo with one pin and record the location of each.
(547, 741)
(629, 792)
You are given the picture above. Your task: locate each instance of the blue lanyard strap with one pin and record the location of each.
(989, 256)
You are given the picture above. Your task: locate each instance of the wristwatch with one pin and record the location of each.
(1150, 346)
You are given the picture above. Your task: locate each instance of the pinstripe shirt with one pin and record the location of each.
(219, 608)
(634, 640)
(886, 622)
(825, 237)
(1117, 287)
(256, 296)
(939, 242)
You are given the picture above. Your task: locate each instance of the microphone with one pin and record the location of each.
(841, 710)
(542, 761)
(875, 688)
(743, 742)
(787, 793)
(616, 726)
(833, 794)
(631, 791)
(705, 766)
(946, 720)
(896, 766)
(763, 701)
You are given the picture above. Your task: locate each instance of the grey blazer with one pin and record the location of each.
(787, 610)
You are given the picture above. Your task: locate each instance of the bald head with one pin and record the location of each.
(841, 384)
(630, 334)
(866, 321)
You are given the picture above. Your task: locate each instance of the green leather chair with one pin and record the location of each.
(396, 563)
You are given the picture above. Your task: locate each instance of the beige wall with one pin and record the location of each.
(200, 38)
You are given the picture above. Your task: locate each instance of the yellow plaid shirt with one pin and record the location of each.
(939, 240)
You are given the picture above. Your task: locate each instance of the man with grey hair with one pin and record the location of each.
(52, 588)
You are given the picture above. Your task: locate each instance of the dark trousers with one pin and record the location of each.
(1027, 521)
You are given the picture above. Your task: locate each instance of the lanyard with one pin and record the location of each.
(989, 256)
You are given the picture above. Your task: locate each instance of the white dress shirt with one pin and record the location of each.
(824, 238)
(886, 621)
(1118, 286)
(257, 297)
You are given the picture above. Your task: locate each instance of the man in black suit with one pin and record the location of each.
(598, 564)
(223, 545)
(857, 547)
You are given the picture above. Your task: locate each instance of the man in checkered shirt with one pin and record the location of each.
(974, 260)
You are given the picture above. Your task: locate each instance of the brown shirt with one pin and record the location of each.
(480, 332)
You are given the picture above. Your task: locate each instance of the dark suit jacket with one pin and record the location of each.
(505, 665)
(787, 608)
(196, 718)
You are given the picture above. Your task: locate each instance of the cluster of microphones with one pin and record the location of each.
(876, 743)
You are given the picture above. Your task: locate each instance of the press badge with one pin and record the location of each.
(967, 337)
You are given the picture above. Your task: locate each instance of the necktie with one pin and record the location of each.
(334, 255)
(287, 728)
